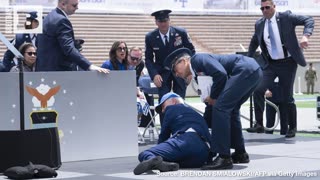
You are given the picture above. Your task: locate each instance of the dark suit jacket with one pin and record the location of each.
(8, 55)
(156, 52)
(139, 69)
(287, 23)
(178, 118)
(221, 68)
(56, 48)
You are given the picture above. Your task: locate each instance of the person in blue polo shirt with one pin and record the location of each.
(189, 145)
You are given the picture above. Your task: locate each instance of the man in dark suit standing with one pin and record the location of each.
(31, 23)
(160, 43)
(56, 46)
(281, 52)
(189, 145)
(234, 78)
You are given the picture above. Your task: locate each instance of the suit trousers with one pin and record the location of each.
(292, 115)
(271, 116)
(286, 72)
(187, 149)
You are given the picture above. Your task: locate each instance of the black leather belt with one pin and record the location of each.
(280, 60)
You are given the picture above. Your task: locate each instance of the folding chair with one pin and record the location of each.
(145, 84)
(144, 109)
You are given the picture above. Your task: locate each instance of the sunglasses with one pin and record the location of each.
(121, 48)
(74, 5)
(135, 58)
(265, 8)
(31, 53)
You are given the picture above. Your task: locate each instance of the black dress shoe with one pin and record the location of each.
(291, 133)
(269, 132)
(219, 163)
(239, 158)
(256, 129)
(167, 166)
(147, 165)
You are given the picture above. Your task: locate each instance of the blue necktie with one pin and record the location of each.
(274, 50)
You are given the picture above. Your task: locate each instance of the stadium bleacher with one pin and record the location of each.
(221, 34)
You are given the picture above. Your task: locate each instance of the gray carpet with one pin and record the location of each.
(272, 157)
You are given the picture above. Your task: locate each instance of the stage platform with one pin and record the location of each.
(272, 157)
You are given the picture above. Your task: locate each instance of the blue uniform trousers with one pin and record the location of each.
(187, 149)
(226, 124)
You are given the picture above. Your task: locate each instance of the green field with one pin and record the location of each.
(306, 104)
(308, 134)
(302, 101)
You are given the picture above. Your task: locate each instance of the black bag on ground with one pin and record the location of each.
(30, 171)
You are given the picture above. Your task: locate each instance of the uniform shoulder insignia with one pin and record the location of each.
(178, 41)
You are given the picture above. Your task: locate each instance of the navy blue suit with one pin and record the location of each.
(286, 68)
(8, 55)
(234, 78)
(276, 98)
(186, 148)
(56, 48)
(156, 52)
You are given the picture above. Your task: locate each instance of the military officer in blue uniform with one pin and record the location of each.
(234, 79)
(159, 43)
(31, 23)
(189, 145)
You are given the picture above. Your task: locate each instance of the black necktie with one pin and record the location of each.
(166, 42)
(34, 37)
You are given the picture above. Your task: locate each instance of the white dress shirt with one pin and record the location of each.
(164, 39)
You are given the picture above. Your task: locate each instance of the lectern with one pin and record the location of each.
(19, 147)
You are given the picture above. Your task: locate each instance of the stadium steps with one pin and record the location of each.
(220, 34)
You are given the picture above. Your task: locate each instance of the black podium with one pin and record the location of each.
(39, 146)
(19, 147)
